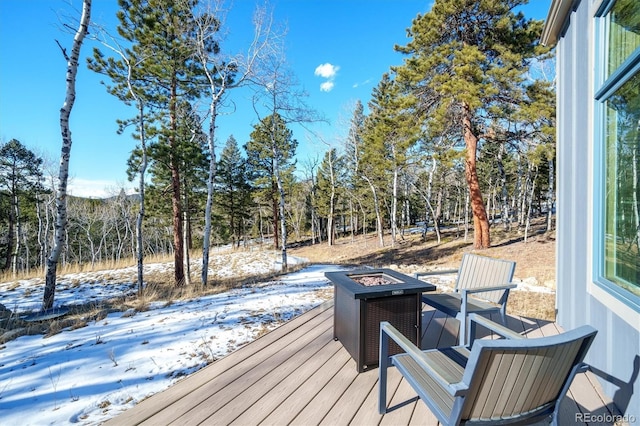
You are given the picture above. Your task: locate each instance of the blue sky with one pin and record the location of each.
(337, 49)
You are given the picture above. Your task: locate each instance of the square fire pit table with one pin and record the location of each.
(364, 298)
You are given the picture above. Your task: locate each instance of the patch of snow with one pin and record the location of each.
(90, 374)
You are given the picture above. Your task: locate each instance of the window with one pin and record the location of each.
(618, 240)
(624, 33)
(622, 157)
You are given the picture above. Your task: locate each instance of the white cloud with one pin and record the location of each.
(326, 70)
(327, 86)
(329, 72)
(363, 83)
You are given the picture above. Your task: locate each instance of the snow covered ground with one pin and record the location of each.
(90, 374)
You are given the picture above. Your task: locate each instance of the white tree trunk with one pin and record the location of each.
(18, 233)
(218, 70)
(529, 199)
(63, 175)
(394, 208)
(330, 221)
(466, 217)
(140, 216)
(206, 241)
(434, 215)
(376, 206)
(551, 195)
(506, 220)
(283, 221)
(185, 239)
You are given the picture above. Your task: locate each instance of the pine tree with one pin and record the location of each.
(234, 199)
(129, 85)
(392, 130)
(330, 178)
(538, 115)
(172, 75)
(466, 64)
(380, 148)
(191, 157)
(270, 152)
(20, 181)
(354, 183)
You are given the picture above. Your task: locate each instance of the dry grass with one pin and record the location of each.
(535, 259)
(75, 268)
(532, 305)
(159, 287)
(535, 263)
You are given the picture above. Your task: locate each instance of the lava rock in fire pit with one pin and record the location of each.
(371, 280)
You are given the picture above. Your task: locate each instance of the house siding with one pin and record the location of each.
(574, 181)
(615, 353)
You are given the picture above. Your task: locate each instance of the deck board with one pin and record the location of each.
(290, 407)
(298, 374)
(271, 384)
(355, 395)
(262, 407)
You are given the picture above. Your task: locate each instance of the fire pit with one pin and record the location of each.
(364, 298)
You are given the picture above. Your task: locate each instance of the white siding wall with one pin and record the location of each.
(579, 301)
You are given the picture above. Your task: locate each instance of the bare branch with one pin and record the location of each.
(64, 51)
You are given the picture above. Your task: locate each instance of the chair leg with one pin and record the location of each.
(463, 338)
(382, 372)
(503, 314)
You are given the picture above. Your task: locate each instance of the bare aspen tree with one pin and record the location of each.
(122, 74)
(327, 190)
(311, 176)
(223, 72)
(426, 195)
(332, 204)
(275, 93)
(63, 175)
(529, 200)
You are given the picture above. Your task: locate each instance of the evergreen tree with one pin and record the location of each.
(466, 66)
(234, 189)
(378, 143)
(354, 183)
(270, 151)
(172, 75)
(330, 178)
(130, 86)
(20, 182)
(191, 157)
(538, 115)
(392, 130)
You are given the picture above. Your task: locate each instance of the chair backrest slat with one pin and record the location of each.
(480, 271)
(508, 378)
(552, 376)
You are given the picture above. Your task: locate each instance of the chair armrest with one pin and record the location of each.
(493, 326)
(484, 289)
(583, 368)
(416, 275)
(454, 389)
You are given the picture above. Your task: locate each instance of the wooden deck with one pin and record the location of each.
(297, 374)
